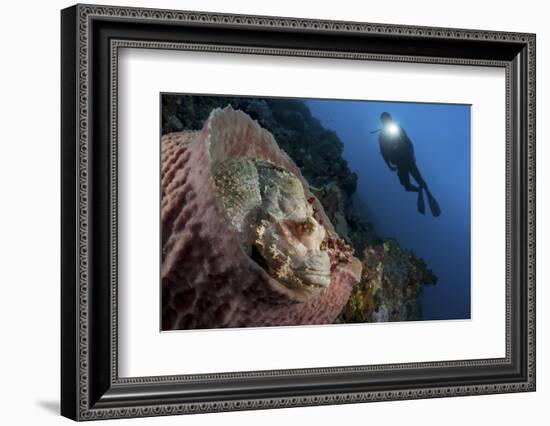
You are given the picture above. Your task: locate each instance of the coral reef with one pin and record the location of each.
(346, 220)
(244, 240)
(390, 287)
(332, 199)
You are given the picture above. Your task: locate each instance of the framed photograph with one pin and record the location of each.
(263, 212)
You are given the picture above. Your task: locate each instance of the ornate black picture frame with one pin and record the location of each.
(91, 387)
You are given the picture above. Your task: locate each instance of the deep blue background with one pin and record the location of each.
(441, 137)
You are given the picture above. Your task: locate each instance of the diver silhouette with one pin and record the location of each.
(398, 153)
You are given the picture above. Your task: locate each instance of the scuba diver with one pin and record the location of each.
(398, 153)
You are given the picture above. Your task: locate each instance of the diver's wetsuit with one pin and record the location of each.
(398, 153)
(398, 150)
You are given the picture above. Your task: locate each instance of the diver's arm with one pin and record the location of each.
(385, 156)
(392, 168)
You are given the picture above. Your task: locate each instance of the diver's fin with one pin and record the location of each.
(434, 206)
(420, 202)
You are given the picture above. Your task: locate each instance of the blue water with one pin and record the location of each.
(441, 137)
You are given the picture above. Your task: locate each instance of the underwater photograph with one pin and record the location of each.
(290, 211)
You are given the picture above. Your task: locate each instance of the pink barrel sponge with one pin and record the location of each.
(244, 241)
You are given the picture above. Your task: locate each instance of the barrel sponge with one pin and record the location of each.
(209, 278)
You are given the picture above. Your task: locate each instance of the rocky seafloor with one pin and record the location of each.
(392, 277)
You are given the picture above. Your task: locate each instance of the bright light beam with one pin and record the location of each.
(392, 129)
